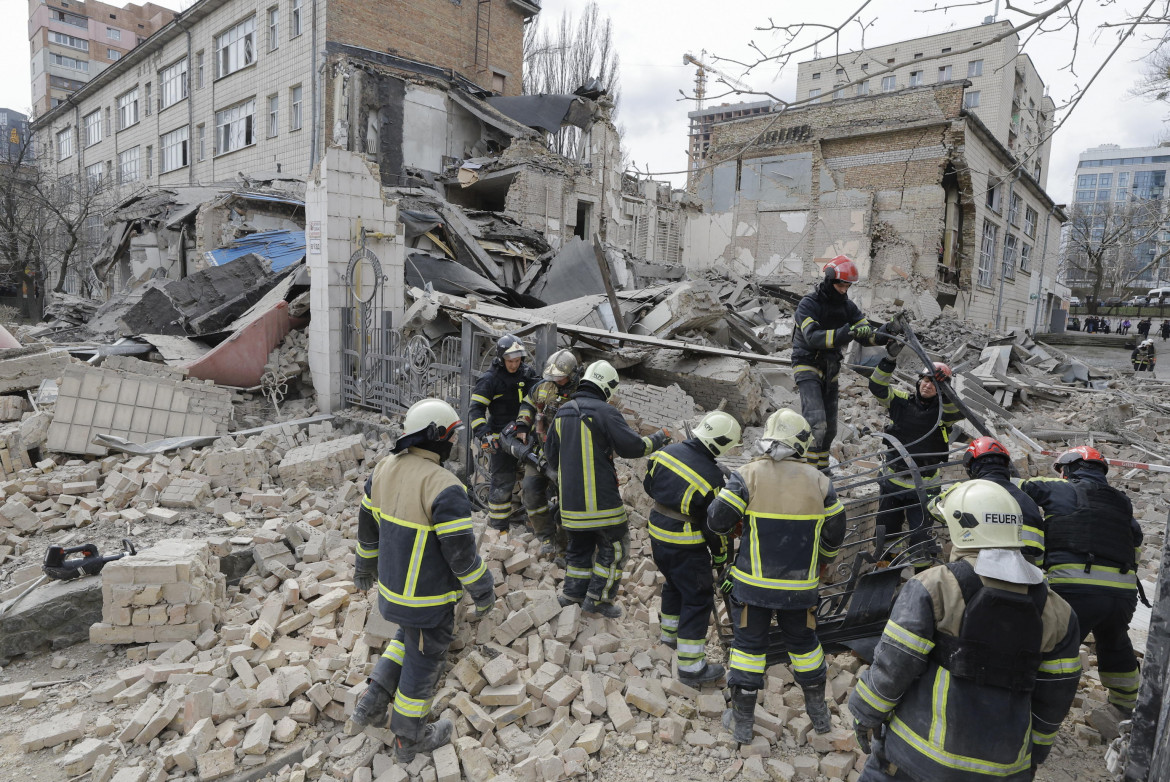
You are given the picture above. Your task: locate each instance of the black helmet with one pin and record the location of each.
(510, 346)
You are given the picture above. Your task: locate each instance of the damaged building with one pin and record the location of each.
(909, 183)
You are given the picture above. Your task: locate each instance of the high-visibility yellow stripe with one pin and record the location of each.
(904, 638)
(1121, 681)
(1043, 739)
(411, 707)
(685, 506)
(808, 662)
(367, 553)
(1064, 665)
(590, 482)
(683, 470)
(961, 762)
(938, 720)
(395, 651)
(483, 400)
(772, 583)
(870, 696)
(477, 422)
(752, 663)
(404, 523)
(474, 575)
(1098, 575)
(453, 526)
(578, 572)
(412, 601)
(732, 499)
(688, 537)
(416, 557)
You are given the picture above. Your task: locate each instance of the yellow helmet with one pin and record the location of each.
(560, 365)
(980, 514)
(719, 432)
(789, 429)
(434, 418)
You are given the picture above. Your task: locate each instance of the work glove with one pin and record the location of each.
(864, 736)
(893, 326)
(842, 336)
(364, 572)
(484, 605)
(490, 442)
(659, 439)
(893, 348)
(862, 332)
(724, 582)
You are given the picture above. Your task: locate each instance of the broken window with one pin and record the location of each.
(1026, 258)
(64, 143)
(233, 127)
(915, 78)
(174, 149)
(273, 28)
(128, 166)
(294, 25)
(1030, 218)
(584, 218)
(987, 253)
(1014, 209)
(1009, 256)
(94, 175)
(235, 48)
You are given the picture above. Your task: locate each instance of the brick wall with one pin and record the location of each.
(441, 32)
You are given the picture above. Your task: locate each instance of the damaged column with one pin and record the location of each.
(343, 199)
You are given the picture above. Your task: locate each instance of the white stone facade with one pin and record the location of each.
(272, 72)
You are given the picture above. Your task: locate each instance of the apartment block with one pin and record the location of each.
(13, 137)
(1004, 88)
(236, 86)
(72, 41)
(1108, 178)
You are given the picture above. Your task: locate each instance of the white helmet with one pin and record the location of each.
(1147, 343)
(561, 364)
(433, 418)
(719, 432)
(980, 514)
(789, 430)
(603, 375)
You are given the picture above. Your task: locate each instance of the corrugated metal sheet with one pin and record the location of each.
(270, 197)
(280, 248)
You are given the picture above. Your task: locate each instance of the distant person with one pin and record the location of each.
(1144, 327)
(1125, 325)
(1090, 325)
(1144, 357)
(1165, 329)
(1105, 327)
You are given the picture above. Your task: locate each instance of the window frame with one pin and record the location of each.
(64, 138)
(1031, 218)
(915, 78)
(124, 160)
(296, 25)
(889, 83)
(974, 68)
(95, 182)
(1011, 246)
(296, 119)
(273, 115)
(233, 47)
(88, 124)
(944, 73)
(1025, 258)
(985, 269)
(226, 132)
(172, 79)
(70, 42)
(971, 99)
(172, 145)
(122, 124)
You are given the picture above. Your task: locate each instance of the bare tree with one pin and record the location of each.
(562, 56)
(1110, 245)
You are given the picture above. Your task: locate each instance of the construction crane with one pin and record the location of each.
(701, 71)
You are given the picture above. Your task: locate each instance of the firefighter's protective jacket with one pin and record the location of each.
(794, 523)
(996, 471)
(682, 479)
(540, 406)
(496, 398)
(949, 729)
(1092, 540)
(586, 435)
(823, 320)
(915, 422)
(415, 520)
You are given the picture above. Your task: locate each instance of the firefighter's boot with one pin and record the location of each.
(740, 718)
(816, 708)
(436, 735)
(374, 707)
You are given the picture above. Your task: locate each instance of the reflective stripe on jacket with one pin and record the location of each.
(948, 729)
(915, 422)
(496, 398)
(794, 524)
(586, 435)
(683, 478)
(416, 521)
(822, 322)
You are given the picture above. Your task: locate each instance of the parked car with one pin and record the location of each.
(1138, 301)
(1075, 301)
(1112, 301)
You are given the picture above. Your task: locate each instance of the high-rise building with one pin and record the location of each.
(1006, 92)
(1120, 187)
(73, 41)
(14, 137)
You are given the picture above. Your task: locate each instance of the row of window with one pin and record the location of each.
(974, 68)
(1015, 252)
(890, 83)
(1097, 187)
(995, 204)
(235, 128)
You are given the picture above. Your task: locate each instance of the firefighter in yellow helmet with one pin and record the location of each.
(416, 543)
(979, 661)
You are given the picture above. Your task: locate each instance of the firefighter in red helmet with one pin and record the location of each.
(987, 458)
(1092, 544)
(826, 322)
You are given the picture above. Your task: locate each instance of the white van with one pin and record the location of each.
(1158, 296)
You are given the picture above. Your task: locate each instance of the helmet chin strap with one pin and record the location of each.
(776, 450)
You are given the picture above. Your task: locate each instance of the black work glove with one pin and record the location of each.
(724, 582)
(484, 605)
(364, 572)
(865, 736)
(842, 336)
(893, 326)
(659, 439)
(893, 348)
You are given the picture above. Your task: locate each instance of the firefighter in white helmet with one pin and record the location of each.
(793, 527)
(682, 479)
(416, 542)
(979, 661)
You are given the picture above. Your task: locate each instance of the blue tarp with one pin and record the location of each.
(280, 248)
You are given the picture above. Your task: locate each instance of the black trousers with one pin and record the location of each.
(1106, 614)
(594, 561)
(410, 668)
(688, 600)
(752, 625)
(899, 508)
(538, 491)
(818, 404)
(504, 468)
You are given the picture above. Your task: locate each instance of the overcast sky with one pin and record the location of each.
(653, 35)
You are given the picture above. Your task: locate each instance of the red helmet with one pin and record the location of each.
(984, 446)
(841, 269)
(939, 373)
(1082, 453)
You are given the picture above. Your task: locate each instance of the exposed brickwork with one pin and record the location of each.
(441, 32)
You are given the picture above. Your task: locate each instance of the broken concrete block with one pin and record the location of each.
(11, 693)
(561, 693)
(83, 755)
(328, 603)
(592, 739)
(446, 764)
(647, 695)
(55, 615)
(619, 712)
(216, 763)
(500, 670)
(322, 465)
(258, 736)
(50, 734)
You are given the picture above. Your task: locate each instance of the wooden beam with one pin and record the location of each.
(599, 253)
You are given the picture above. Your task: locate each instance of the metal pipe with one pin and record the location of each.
(1043, 264)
